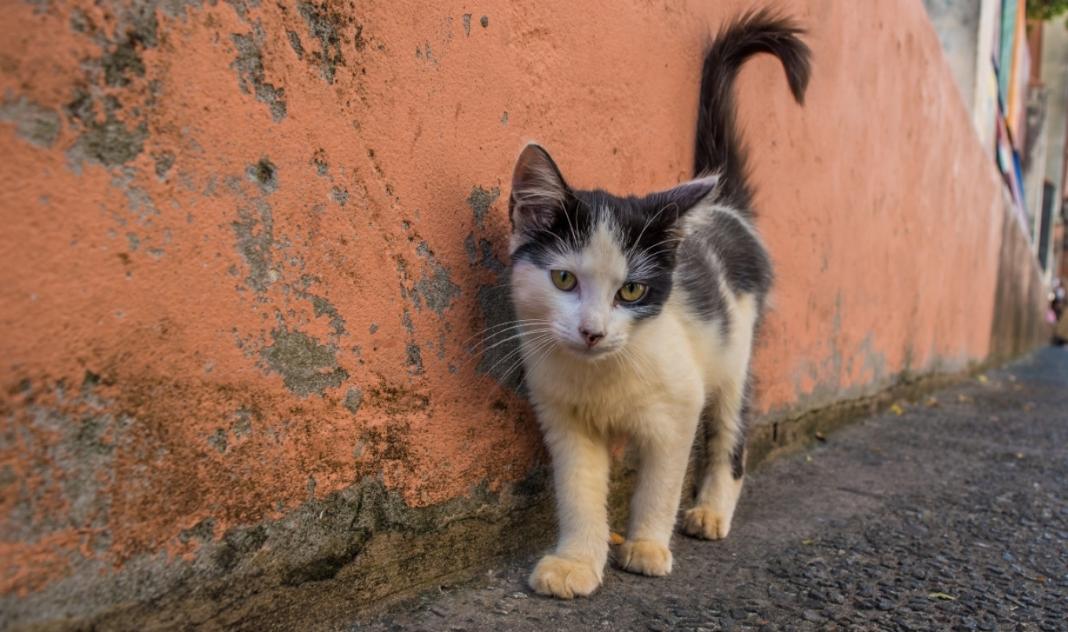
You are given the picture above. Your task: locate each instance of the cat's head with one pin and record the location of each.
(588, 267)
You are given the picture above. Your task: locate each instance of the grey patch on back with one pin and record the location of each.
(698, 276)
(745, 262)
(721, 253)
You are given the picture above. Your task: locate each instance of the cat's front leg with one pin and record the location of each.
(580, 474)
(664, 454)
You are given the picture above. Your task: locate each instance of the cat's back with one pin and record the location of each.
(720, 259)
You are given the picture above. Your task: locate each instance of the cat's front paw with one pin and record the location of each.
(704, 522)
(564, 578)
(645, 557)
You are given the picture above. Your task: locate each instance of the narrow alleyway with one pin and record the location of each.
(945, 514)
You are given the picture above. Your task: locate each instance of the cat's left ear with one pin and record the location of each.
(686, 196)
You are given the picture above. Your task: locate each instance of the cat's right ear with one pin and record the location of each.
(538, 191)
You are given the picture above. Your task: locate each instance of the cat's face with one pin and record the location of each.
(588, 267)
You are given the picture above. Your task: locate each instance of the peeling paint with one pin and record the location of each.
(481, 200)
(489, 258)
(37, 124)
(471, 249)
(307, 366)
(436, 286)
(325, 307)
(111, 142)
(325, 26)
(252, 77)
(295, 43)
(322, 167)
(164, 160)
(265, 174)
(414, 357)
(339, 195)
(218, 440)
(353, 400)
(255, 239)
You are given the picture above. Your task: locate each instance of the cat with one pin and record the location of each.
(636, 318)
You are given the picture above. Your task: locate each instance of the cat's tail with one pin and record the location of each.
(719, 147)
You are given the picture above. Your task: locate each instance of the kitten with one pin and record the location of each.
(636, 318)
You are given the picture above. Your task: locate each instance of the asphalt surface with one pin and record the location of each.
(951, 513)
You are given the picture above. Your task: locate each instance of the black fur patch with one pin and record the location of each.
(738, 458)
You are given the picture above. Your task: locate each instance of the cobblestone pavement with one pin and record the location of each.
(946, 514)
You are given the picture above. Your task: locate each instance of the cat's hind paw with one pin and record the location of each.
(645, 557)
(703, 522)
(564, 578)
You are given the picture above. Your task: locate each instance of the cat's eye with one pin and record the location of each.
(632, 291)
(563, 280)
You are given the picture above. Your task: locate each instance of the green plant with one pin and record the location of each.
(1046, 9)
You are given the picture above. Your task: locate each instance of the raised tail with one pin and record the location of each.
(719, 147)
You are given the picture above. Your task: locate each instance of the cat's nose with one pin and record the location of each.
(591, 337)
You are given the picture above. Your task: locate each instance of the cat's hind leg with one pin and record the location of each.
(721, 485)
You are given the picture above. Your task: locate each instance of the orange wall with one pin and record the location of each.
(237, 274)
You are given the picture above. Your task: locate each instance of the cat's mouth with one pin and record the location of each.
(596, 352)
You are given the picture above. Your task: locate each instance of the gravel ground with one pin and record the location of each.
(946, 514)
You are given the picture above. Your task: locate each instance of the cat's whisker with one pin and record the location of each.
(538, 342)
(511, 335)
(542, 351)
(505, 327)
(482, 352)
(507, 323)
(646, 254)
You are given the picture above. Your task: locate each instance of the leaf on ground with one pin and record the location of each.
(961, 397)
(941, 596)
(932, 402)
(897, 409)
(808, 541)
(982, 379)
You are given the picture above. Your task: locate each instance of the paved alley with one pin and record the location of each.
(951, 513)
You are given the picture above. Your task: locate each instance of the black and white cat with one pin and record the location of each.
(636, 318)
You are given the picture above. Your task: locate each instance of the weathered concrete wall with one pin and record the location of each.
(1021, 298)
(247, 247)
(957, 24)
(1055, 77)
